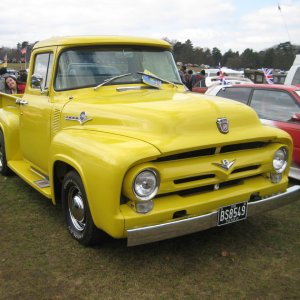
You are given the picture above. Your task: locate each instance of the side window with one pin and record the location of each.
(239, 94)
(43, 69)
(274, 105)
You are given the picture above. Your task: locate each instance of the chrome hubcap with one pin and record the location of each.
(76, 209)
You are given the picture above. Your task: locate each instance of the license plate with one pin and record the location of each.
(232, 213)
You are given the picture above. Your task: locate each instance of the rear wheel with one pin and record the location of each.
(77, 211)
(4, 169)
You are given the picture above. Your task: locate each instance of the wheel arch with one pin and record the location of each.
(60, 169)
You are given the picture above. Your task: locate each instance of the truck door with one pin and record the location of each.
(35, 112)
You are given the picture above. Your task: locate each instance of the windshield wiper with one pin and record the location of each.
(111, 79)
(158, 78)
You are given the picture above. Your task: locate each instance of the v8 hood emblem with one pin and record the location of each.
(81, 119)
(225, 164)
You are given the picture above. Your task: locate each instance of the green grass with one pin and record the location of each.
(254, 259)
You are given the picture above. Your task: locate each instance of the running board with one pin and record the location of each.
(34, 178)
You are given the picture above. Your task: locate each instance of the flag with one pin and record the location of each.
(268, 75)
(221, 76)
(23, 50)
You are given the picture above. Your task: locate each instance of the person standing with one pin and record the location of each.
(183, 73)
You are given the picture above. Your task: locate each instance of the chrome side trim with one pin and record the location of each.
(149, 234)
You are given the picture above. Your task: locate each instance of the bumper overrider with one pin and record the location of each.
(153, 233)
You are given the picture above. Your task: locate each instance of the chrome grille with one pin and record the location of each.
(199, 171)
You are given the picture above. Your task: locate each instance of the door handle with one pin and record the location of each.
(21, 102)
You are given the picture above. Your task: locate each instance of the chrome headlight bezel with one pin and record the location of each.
(145, 184)
(280, 160)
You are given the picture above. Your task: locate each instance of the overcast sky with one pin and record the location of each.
(226, 24)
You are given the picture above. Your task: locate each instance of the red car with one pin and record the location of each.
(276, 105)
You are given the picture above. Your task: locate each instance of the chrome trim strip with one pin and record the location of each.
(131, 88)
(81, 119)
(149, 234)
(45, 177)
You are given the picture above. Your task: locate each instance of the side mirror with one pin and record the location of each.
(36, 81)
(296, 117)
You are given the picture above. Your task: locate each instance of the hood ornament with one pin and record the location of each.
(223, 125)
(225, 164)
(81, 119)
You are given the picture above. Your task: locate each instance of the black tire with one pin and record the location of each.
(4, 169)
(77, 212)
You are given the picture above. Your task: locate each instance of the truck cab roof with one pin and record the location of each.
(106, 40)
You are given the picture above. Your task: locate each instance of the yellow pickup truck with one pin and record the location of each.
(107, 129)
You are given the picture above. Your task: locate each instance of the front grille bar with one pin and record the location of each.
(194, 178)
(213, 151)
(209, 188)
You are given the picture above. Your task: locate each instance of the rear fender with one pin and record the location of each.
(9, 125)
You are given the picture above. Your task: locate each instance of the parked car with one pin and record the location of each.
(12, 72)
(202, 86)
(293, 76)
(276, 105)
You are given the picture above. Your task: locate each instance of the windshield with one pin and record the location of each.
(91, 66)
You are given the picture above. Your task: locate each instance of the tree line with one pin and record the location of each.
(14, 55)
(280, 56)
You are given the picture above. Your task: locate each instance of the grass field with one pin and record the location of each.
(255, 259)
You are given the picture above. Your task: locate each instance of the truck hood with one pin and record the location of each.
(170, 121)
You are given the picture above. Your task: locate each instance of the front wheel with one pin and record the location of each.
(77, 212)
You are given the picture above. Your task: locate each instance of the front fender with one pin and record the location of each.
(101, 159)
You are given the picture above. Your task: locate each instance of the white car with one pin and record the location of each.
(215, 80)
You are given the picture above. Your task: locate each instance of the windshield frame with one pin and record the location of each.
(138, 53)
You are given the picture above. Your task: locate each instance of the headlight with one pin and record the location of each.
(280, 160)
(145, 185)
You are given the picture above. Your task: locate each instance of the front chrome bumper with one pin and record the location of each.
(149, 234)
